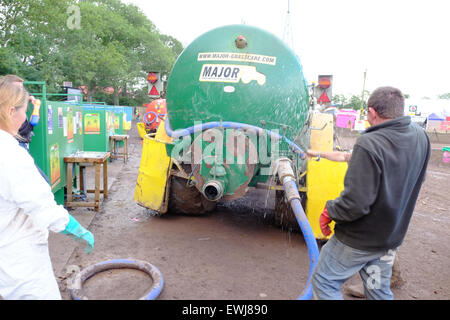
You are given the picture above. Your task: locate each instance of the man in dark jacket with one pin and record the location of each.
(372, 214)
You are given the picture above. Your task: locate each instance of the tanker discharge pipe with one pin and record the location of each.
(287, 178)
(213, 190)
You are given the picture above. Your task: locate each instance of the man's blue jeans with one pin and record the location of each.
(339, 262)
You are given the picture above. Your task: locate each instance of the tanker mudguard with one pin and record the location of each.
(152, 186)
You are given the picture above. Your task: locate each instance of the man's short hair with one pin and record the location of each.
(388, 102)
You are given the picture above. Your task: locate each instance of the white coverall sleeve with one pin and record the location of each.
(25, 187)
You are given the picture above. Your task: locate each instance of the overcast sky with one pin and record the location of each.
(402, 43)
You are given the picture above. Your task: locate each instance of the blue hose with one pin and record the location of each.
(148, 122)
(297, 208)
(78, 293)
(229, 125)
(310, 239)
(154, 119)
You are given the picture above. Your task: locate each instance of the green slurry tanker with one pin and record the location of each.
(238, 117)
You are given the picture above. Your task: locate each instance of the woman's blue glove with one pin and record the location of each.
(75, 229)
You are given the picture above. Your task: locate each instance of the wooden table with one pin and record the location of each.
(115, 154)
(96, 158)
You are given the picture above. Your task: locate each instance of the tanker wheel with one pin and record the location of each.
(187, 200)
(284, 216)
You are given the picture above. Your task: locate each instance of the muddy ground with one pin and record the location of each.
(235, 252)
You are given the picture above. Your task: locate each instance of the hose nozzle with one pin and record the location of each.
(213, 190)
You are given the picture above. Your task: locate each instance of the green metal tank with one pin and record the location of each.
(235, 74)
(238, 73)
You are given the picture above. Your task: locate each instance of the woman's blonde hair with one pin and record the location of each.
(11, 95)
(12, 78)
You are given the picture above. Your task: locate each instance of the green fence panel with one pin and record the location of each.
(57, 135)
(98, 126)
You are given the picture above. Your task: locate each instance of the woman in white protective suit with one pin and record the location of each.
(27, 210)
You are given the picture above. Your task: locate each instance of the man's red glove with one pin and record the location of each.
(324, 222)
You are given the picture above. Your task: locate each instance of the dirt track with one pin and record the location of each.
(235, 252)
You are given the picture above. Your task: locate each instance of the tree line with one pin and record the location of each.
(356, 102)
(96, 44)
